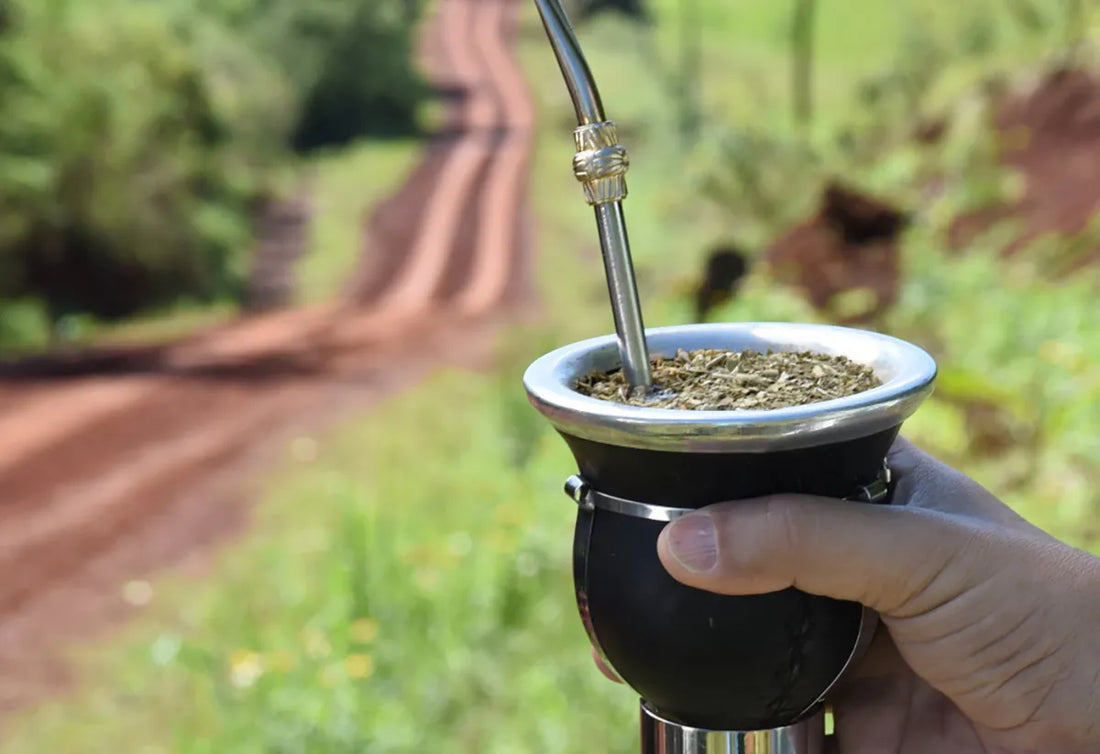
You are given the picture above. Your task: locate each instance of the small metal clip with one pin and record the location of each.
(577, 489)
(876, 491)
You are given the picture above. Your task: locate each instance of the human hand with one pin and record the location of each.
(992, 640)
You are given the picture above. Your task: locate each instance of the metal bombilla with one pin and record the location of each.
(600, 164)
(716, 674)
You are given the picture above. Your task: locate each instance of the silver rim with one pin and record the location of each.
(906, 371)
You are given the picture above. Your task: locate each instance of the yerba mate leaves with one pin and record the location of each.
(717, 380)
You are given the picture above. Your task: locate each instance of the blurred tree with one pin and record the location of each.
(365, 85)
(132, 147)
(350, 62)
(139, 137)
(412, 9)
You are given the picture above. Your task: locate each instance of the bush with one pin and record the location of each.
(132, 150)
(138, 137)
(348, 61)
(366, 84)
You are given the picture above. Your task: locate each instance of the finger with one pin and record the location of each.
(881, 556)
(604, 668)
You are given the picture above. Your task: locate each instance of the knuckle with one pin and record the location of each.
(784, 525)
(744, 542)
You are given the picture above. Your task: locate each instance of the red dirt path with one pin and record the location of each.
(113, 463)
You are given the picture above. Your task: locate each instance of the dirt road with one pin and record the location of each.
(116, 463)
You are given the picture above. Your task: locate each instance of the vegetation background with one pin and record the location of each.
(139, 139)
(370, 609)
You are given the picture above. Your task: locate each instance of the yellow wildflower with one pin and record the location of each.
(359, 666)
(245, 668)
(363, 630)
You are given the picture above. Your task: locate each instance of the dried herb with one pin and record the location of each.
(716, 380)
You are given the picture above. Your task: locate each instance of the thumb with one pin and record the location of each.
(892, 559)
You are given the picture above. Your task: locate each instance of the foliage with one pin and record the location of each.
(139, 137)
(365, 84)
(1023, 394)
(23, 324)
(349, 62)
(128, 164)
(766, 180)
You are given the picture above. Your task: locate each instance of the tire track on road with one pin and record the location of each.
(417, 285)
(503, 193)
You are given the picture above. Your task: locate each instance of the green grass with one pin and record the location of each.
(25, 329)
(746, 58)
(170, 324)
(405, 590)
(346, 183)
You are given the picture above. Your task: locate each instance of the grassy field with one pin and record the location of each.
(346, 182)
(28, 330)
(371, 609)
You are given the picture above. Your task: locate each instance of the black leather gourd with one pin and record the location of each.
(700, 659)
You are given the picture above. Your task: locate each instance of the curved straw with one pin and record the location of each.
(601, 164)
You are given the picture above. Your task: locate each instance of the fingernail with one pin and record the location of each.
(693, 541)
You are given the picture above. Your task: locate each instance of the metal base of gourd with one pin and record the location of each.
(660, 736)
